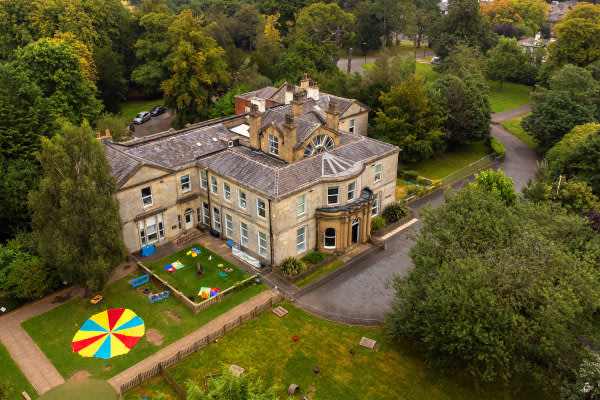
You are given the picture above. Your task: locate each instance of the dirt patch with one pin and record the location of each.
(61, 299)
(172, 316)
(108, 368)
(80, 375)
(154, 336)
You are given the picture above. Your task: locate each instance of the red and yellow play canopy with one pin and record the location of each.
(108, 334)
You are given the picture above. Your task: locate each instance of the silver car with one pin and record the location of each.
(141, 117)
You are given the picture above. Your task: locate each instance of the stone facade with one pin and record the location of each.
(290, 185)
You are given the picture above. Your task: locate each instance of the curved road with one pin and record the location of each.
(361, 295)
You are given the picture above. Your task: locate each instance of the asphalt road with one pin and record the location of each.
(156, 124)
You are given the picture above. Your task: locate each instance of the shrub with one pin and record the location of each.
(497, 147)
(292, 266)
(377, 223)
(411, 175)
(394, 212)
(315, 257)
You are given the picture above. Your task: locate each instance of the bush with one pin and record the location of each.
(410, 175)
(394, 212)
(497, 147)
(315, 257)
(292, 266)
(377, 223)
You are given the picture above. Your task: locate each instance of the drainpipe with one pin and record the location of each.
(210, 218)
(271, 233)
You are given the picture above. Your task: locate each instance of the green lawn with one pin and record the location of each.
(131, 108)
(53, 331)
(347, 371)
(12, 373)
(451, 161)
(82, 389)
(319, 273)
(511, 96)
(514, 127)
(426, 71)
(185, 279)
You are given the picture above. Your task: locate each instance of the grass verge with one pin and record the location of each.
(131, 108)
(450, 161)
(185, 279)
(82, 389)
(53, 331)
(511, 96)
(347, 371)
(319, 273)
(12, 374)
(514, 127)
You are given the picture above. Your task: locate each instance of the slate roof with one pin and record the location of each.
(306, 125)
(264, 93)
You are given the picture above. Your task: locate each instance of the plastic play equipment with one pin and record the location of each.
(158, 296)
(148, 250)
(206, 292)
(140, 281)
(174, 266)
(193, 252)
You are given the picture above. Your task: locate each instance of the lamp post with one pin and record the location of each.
(365, 50)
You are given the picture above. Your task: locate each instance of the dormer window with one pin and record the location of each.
(319, 144)
(273, 145)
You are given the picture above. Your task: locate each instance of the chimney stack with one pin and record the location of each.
(305, 81)
(296, 105)
(289, 93)
(289, 131)
(313, 90)
(333, 117)
(255, 122)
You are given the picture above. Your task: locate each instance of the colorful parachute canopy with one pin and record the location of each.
(108, 334)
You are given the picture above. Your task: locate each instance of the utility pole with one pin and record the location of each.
(349, 59)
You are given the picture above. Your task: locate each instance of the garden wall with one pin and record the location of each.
(390, 227)
(197, 307)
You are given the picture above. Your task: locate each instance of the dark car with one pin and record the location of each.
(141, 117)
(157, 110)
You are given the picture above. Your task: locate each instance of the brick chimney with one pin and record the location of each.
(289, 134)
(305, 81)
(333, 116)
(313, 90)
(296, 105)
(255, 122)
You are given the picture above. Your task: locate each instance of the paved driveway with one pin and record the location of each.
(360, 294)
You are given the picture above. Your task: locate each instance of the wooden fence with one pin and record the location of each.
(197, 345)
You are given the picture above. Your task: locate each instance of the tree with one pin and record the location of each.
(198, 70)
(520, 287)
(507, 61)
(587, 381)
(75, 216)
(112, 85)
(527, 16)
(410, 120)
(56, 70)
(496, 182)
(463, 23)
(247, 386)
(368, 29)
(465, 61)
(287, 12)
(28, 278)
(567, 103)
(578, 37)
(225, 106)
(245, 25)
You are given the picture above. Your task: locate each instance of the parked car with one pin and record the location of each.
(435, 60)
(157, 110)
(141, 117)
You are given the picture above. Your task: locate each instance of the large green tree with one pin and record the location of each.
(507, 61)
(197, 67)
(502, 291)
(75, 215)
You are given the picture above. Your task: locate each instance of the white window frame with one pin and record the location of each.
(147, 196)
(301, 204)
(161, 226)
(375, 209)
(214, 187)
(228, 225)
(301, 240)
(226, 191)
(186, 183)
(216, 219)
(242, 201)
(273, 142)
(337, 195)
(325, 237)
(351, 126)
(378, 174)
(262, 249)
(203, 181)
(244, 234)
(259, 208)
(352, 191)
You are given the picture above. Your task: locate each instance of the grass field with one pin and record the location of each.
(511, 96)
(347, 371)
(319, 273)
(514, 127)
(401, 189)
(53, 331)
(130, 109)
(82, 389)
(451, 161)
(185, 279)
(12, 374)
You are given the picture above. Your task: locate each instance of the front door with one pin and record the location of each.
(355, 230)
(189, 220)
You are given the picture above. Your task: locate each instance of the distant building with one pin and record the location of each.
(279, 182)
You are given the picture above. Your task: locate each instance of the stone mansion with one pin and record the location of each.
(280, 180)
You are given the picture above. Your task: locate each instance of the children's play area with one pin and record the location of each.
(197, 272)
